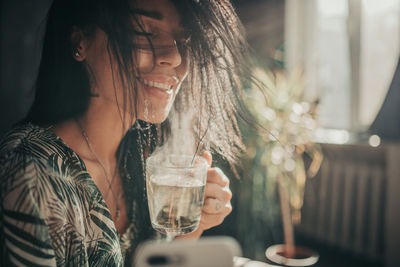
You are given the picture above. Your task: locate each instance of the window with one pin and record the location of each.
(349, 50)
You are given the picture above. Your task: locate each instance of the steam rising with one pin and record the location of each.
(182, 139)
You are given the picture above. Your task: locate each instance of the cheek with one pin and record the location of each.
(183, 70)
(99, 70)
(145, 62)
(98, 57)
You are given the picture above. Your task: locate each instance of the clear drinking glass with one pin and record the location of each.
(175, 192)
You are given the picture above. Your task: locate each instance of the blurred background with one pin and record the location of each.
(333, 112)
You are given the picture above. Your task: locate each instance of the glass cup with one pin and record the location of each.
(175, 192)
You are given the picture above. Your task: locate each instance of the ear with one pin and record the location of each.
(79, 44)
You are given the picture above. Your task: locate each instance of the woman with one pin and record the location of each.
(72, 183)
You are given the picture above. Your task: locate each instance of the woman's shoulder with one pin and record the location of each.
(30, 139)
(33, 147)
(34, 158)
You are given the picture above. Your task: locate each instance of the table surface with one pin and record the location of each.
(245, 262)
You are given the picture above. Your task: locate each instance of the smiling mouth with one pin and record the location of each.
(165, 87)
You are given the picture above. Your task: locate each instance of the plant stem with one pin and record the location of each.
(286, 220)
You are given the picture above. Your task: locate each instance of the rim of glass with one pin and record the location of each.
(150, 161)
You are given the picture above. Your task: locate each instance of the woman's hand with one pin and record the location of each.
(217, 200)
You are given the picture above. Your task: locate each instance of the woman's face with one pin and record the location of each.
(159, 78)
(159, 81)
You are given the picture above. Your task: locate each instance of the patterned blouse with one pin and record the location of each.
(51, 211)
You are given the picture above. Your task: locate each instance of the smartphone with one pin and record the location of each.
(207, 251)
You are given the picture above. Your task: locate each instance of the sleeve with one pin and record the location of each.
(24, 235)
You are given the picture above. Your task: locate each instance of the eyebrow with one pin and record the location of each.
(147, 13)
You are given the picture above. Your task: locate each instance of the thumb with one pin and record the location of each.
(207, 155)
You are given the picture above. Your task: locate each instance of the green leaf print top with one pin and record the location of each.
(53, 214)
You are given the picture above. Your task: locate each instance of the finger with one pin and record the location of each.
(207, 155)
(223, 194)
(217, 176)
(224, 210)
(210, 220)
(214, 206)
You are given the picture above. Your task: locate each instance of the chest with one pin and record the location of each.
(111, 188)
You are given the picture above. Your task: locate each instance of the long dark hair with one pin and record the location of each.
(218, 67)
(217, 52)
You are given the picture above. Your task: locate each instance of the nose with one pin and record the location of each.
(169, 56)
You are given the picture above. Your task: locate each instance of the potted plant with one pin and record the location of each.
(290, 124)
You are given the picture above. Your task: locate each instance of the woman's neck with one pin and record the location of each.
(101, 127)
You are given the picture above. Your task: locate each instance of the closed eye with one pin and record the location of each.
(143, 33)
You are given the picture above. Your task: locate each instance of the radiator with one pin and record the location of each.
(348, 204)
